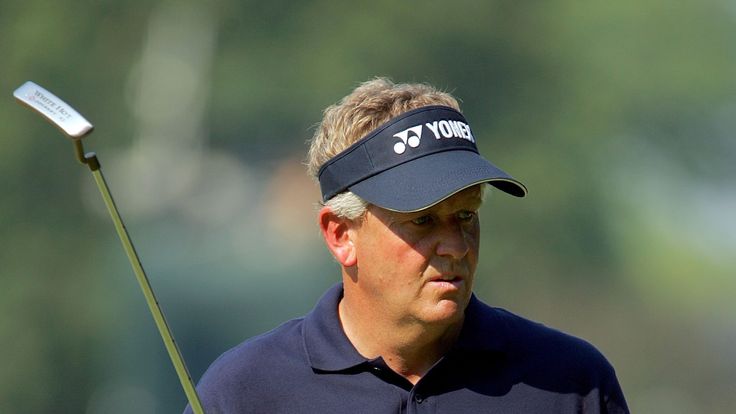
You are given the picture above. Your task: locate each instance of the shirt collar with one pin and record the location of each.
(325, 342)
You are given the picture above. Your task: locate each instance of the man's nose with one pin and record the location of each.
(453, 241)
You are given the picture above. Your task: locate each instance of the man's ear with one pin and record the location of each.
(337, 234)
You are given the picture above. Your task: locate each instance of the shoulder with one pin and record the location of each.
(539, 353)
(501, 329)
(527, 361)
(535, 340)
(265, 362)
(267, 371)
(277, 346)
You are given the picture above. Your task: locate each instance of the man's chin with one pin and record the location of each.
(447, 311)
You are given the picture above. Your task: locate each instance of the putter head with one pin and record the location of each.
(56, 111)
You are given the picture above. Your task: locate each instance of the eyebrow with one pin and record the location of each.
(474, 204)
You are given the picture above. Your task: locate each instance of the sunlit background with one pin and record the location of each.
(619, 117)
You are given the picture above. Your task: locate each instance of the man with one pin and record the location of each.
(401, 183)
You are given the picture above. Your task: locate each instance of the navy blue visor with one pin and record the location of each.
(413, 162)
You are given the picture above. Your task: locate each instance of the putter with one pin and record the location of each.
(76, 127)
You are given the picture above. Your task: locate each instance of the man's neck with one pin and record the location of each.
(410, 349)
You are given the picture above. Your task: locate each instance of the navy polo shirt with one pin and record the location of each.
(501, 363)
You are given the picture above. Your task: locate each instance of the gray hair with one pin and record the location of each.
(347, 205)
(351, 206)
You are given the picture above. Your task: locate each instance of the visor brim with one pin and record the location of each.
(426, 181)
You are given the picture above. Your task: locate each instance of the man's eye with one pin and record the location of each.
(421, 220)
(466, 215)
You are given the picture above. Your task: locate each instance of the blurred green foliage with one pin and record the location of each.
(619, 116)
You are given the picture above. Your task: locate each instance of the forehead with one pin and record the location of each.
(468, 199)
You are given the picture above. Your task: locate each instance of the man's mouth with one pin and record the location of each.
(447, 281)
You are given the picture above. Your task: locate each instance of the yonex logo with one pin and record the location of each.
(440, 129)
(411, 137)
(451, 129)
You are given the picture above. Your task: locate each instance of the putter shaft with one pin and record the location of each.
(140, 274)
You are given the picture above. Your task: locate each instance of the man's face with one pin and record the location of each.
(418, 267)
